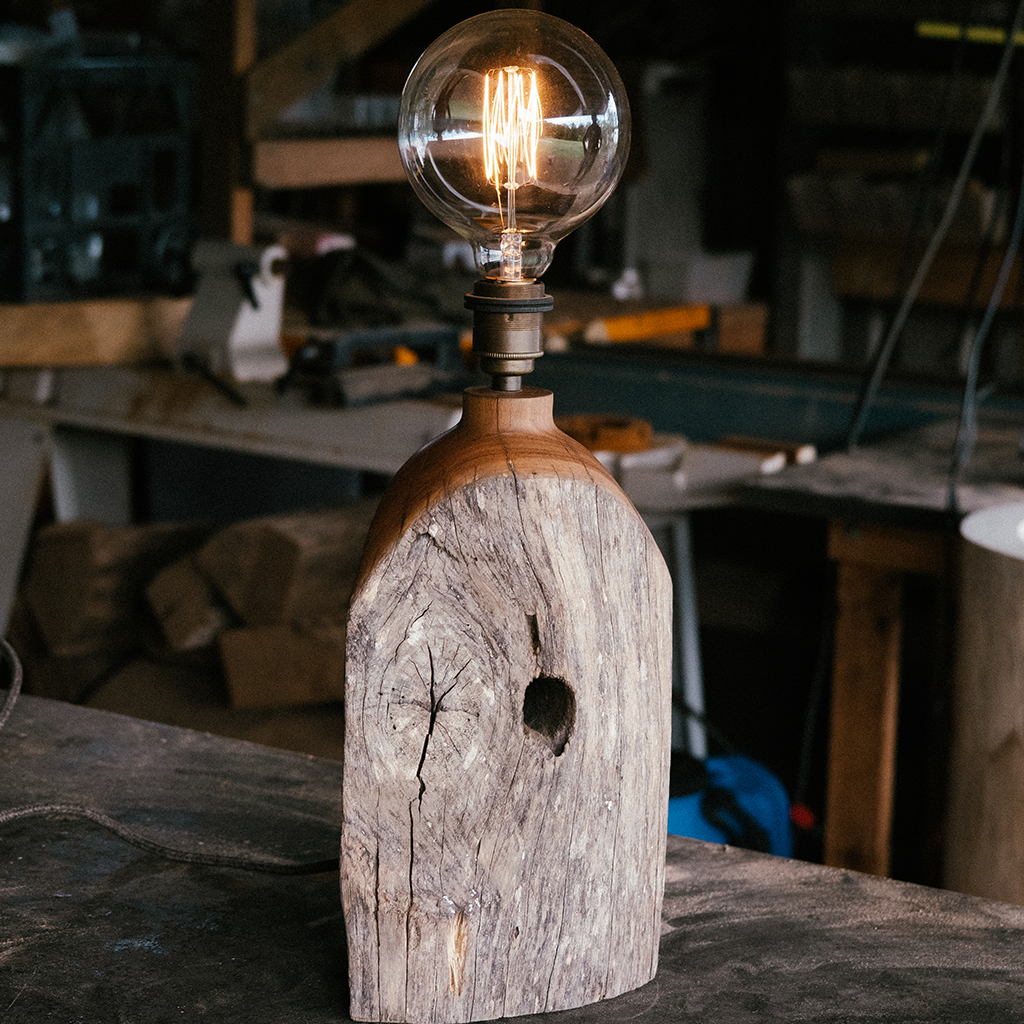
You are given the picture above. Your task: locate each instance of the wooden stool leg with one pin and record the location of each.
(865, 698)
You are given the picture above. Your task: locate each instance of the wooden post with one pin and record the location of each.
(226, 195)
(865, 699)
(872, 560)
(508, 696)
(985, 821)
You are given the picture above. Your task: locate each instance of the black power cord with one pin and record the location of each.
(126, 832)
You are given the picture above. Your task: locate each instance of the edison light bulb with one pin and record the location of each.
(514, 129)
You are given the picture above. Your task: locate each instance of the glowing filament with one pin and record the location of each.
(512, 125)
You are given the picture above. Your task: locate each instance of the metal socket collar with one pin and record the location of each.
(507, 321)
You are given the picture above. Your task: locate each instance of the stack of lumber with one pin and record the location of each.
(287, 580)
(262, 603)
(81, 612)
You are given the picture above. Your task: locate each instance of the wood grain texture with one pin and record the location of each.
(985, 824)
(747, 937)
(508, 685)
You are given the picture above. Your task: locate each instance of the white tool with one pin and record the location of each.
(234, 326)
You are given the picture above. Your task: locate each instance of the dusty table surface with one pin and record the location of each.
(903, 479)
(95, 930)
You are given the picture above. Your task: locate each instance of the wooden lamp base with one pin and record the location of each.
(508, 689)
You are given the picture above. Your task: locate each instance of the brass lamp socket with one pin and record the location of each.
(507, 320)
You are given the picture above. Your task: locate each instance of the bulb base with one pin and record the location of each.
(507, 321)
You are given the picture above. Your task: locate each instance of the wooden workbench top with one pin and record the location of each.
(94, 929)
(901, 480)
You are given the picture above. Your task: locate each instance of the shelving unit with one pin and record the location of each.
(865, 105)
(242, 96)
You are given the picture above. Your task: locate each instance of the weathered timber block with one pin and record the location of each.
(282, 665)
(186, 606)
(285, 568)
(508, 686)
(86, 581)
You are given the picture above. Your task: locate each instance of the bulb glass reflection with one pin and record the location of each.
(514, 129)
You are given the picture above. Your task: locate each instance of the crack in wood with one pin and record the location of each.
(531, 621)
(433, 710)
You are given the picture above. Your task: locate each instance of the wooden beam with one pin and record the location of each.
(889, 547)
(872, 559)
(226, 197)
(865, 698)
(309, 163)
(279, 80)
(90, 332)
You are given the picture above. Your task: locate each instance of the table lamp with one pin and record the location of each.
(508, 667)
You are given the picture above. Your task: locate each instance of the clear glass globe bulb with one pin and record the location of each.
(513, 129)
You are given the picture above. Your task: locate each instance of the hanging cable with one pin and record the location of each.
(14, 687)
(967, 429)
(999, 211)
(885, 350)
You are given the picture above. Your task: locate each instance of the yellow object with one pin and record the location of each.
(404, 356)
(640, 326)
(974, 33)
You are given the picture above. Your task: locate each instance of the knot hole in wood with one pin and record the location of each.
(549, 709)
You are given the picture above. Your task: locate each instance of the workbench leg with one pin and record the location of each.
(865, 700)
(22, 457)
(671, 531)
(687, 646)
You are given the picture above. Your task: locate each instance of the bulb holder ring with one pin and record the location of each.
(507, 321)
(512, 304)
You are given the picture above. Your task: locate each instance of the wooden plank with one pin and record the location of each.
(888, 547)
(154, 402)
(277, 81)
(746, 936)
(308, 163)
(91, 332)
(865, 697)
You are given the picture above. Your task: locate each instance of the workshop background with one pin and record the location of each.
(789, 162)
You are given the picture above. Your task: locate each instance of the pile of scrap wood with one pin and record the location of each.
(260, 603)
